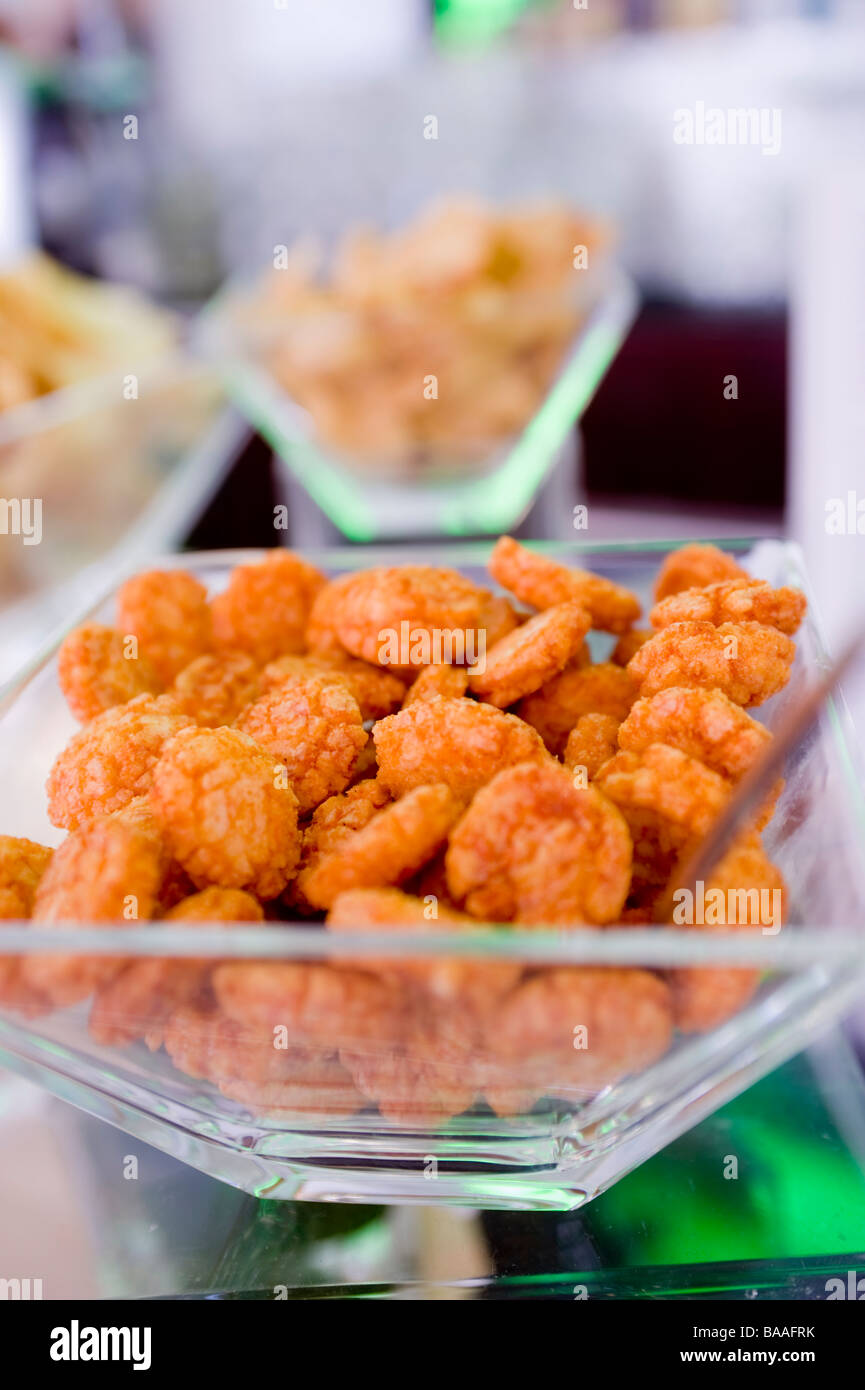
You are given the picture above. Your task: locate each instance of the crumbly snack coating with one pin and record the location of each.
(95, 672)
(225, 813)
(541, 582)
(692, 567)
(534, 849)
(531, 655)
(460, 742)
(734, 601)
(747, 661)
(265, 607)
(167, 611)
(111, 760)
(556, 708)
(313, 726)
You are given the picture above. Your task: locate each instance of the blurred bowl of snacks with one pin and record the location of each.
(444, 363)
(333, 905)
(111, 439)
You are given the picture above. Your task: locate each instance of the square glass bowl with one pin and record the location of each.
(486, 493)
(571, 1122)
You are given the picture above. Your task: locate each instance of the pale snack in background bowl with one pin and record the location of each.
(426, 1033)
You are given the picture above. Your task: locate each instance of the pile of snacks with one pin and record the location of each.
(296, 746)
(57, 328)
(430, 344)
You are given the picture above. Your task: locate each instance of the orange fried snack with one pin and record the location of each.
(393, 845)
(556, 708)
(734, 601)
(95, 673)
(225, 813)
(111, 760)
(576, 1029)
(425, 1074)
(403, 616)
(313, 1004)
(474, 985)
(745, 891)
(498, 618)
(106, 873)
(313, 725)
(333, 823)
(534, 849)
(435, 682)
(592, 742)
(22, 865)
(137, 1001)
(530, 655)
(692, 567)
(214, 688)
(377, 692)
(541, 582)
(167, 611)
(629, 644)
(669, 801)
(705, 724)
(747, 661)
(247, 1066)
(459, 742)
(265, 607)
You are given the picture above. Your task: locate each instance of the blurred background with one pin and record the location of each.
(711, 379)
(200, 348)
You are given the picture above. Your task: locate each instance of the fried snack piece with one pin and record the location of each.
(22, 864)
(531, 655)
(176, 883)
(592, 742)
(225, 815)
(476, 985)
(333, 823)
(320, 636)
(734, 601)
(556, 708)
(626, 1016)
(247, 1066)
(705, 724)
(264, 609)
(167, 611)
(745, 891)
(394, 844)
(214, 688)
(104, 873)
(694, 566)
(436, 682)
(747, 661)
(111, 760)
(458, 742)
(498, 618)
(629, 644)
(137, 1001)
(376, 612)
(313, 1003)
(425, 1075)
(534, 849)
(313, 725)
(377, 692)
(217, 905)
(668, 799)
(542, 583)
(95, 673)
